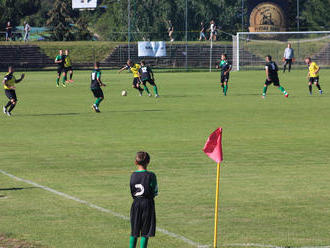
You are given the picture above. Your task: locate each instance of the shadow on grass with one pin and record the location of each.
(14, 189)
(53, 114)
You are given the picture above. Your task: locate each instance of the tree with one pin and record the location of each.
(316, 14)
(60, 20)
(15, 10)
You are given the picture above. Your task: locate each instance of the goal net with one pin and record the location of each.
(250, 49)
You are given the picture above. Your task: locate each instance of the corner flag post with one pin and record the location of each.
(213, 149)
(216, 209)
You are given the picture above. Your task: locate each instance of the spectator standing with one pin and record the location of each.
(170, 30)
(8, 31)
(202, 32)
(288, 57)
(27, 30)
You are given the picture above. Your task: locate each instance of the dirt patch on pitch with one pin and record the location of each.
(6, 242)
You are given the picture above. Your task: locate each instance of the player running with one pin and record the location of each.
(147, 76)
(144, 188)
(272, 77)
(225, 68)
(313, 75)
(68, 67)
(96, 84)
(9, 82)
(136, 75)
(59, 60)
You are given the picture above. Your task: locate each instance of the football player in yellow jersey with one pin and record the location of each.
(68, 67)
(9, 82)
(313, 75)
(134, 68)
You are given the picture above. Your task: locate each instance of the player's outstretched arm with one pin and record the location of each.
(19, 80)
(122, 69)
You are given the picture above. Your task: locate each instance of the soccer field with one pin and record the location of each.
(274, 179)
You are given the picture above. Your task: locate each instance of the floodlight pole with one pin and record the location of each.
(129, 28)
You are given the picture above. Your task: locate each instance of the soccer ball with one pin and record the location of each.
(124, 93)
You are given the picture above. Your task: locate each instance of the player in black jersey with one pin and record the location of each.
(144, 188)
(59, 60)
(96, 84)
(225, 68)
(272, 77)
(147, 76)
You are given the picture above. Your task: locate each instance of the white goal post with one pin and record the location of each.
(250, 48)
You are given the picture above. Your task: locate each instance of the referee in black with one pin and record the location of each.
(9, 82)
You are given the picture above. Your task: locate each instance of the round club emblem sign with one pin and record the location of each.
(267, 17)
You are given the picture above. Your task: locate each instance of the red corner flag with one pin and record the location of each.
(213, 146)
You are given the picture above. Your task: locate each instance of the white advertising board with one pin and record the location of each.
(84, 4)
(151, 49)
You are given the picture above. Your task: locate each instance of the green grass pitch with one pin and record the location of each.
(275, 179)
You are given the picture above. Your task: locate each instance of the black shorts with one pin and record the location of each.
(97, 92)
(11, 94)
(143, 218)
(314, 80)
(274, 81)
(66, 69)
(224, 78)
(136, 81)
(150, 81)
(60, 70)
(288, 61)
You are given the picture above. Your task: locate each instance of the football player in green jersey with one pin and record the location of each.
(59, 60)
(225, 68)
(96, 84)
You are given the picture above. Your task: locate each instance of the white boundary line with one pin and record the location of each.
(272, 246)
(101, 209)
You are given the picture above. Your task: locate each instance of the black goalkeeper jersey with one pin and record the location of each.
(272, 69)
(143, 184)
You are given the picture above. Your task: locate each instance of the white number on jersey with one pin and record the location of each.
(93, 75)
(139, 186)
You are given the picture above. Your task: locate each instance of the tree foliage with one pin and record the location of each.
(66, 23)
(15, 10)
(149, 18)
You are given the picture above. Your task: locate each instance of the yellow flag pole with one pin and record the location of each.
(216, 208)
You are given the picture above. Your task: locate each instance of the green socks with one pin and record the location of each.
(57, 81)
(133, 241)
(282, 90)
(155, 90)
(264, 91)
(98, 101)
(144, 242)
(64, 79)
(146, 89)
(225, 88)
